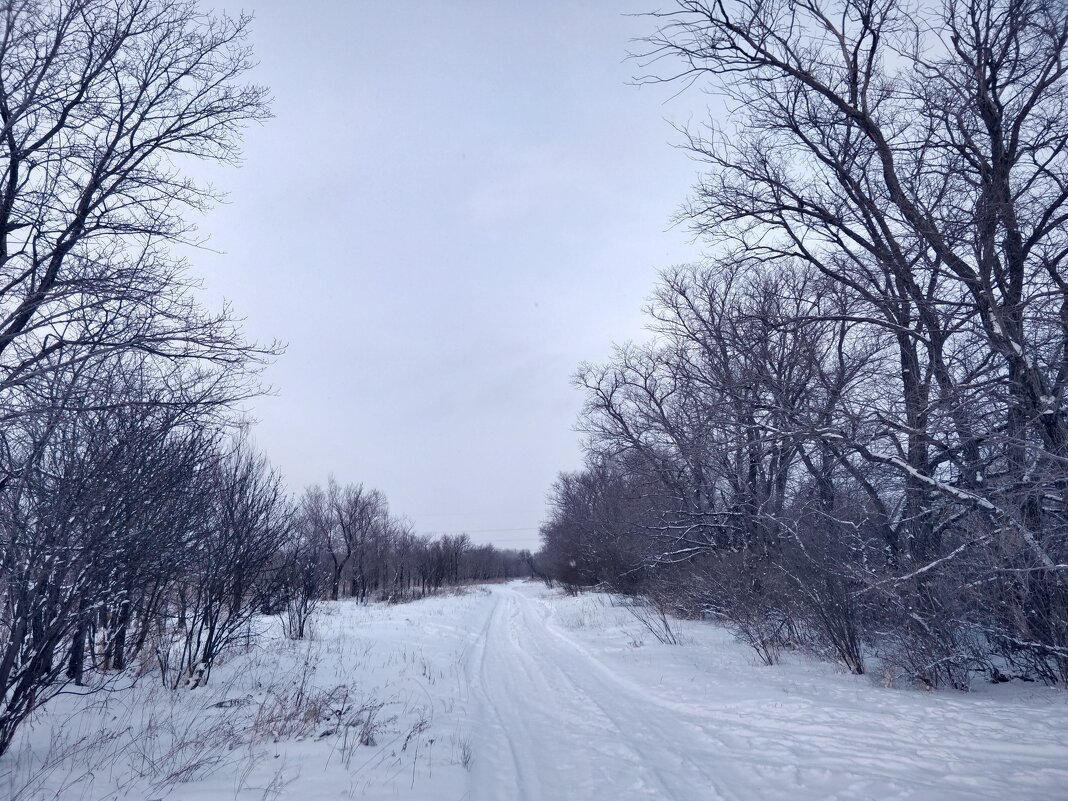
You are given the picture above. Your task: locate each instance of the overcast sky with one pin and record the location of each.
(455, 204)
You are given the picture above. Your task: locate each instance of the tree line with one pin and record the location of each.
(848, 432)
(346, 543)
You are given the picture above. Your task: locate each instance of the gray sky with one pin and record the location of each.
(456, 203)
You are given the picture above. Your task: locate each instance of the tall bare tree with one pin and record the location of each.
(915, 154)
(103, 103)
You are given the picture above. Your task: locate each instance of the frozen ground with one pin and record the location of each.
(513, 692)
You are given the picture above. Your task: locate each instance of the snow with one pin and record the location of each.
(516, 692)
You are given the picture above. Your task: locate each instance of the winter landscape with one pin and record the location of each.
(484, 401)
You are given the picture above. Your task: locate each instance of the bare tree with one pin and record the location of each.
(101, 103)
(303, 572)
(353, 515)
(230, 576)
(93, 529)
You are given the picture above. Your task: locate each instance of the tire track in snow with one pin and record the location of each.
(670, 748)
(552, 728)
(487, 762)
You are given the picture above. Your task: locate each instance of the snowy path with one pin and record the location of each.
(559, 725)
(560, 714)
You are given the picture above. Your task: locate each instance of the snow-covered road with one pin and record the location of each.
(562, 708)
(518, 693)
(559, 724)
